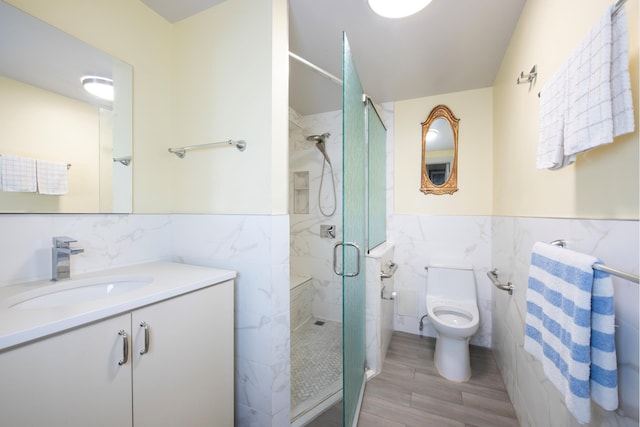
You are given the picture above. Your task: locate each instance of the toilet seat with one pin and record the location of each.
(453, 317)
(459, 319)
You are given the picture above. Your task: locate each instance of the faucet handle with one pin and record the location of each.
(62, 242)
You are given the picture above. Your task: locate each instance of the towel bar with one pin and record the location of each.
(493, 275)
(622, 274)
(182, 151)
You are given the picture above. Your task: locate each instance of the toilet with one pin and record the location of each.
(452, 309)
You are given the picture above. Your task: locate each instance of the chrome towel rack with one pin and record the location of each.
(618, 6)
(241, 145)
(493, 275)
(601, 267)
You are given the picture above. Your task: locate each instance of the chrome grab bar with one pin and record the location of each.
(390, 298)
(389, 274)
(493, 275)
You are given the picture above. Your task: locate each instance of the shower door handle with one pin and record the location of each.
(335, 259)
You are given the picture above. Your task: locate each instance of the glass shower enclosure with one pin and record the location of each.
(354, 236)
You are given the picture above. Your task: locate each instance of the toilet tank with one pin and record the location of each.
(451, 283)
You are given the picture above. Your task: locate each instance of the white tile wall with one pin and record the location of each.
(257, 247)
(108, 241)
(615, 242)
(378, 312)
(424, 240)
(312, 255)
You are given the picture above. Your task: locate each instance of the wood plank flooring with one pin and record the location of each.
(409, 392)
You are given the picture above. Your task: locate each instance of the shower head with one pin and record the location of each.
(320, 144)
(319, 138)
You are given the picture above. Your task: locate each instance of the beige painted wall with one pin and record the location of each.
(130, 31)
(208, 78)
(475, 145)
(224, 89)
(47, 126)
(603, 183)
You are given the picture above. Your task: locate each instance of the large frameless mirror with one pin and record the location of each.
(48, 117)
(439, 152)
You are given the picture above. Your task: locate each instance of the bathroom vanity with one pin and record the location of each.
(158, 352)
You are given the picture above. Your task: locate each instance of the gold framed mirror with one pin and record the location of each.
(439, 152)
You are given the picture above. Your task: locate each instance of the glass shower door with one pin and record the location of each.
(354, 231)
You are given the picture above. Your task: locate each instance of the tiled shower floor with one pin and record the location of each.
(316, 364)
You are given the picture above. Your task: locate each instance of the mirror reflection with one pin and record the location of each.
(71, 149)
(439, 152)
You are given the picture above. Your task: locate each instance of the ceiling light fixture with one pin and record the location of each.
(98, 86)
(397, 8)
(432, 134)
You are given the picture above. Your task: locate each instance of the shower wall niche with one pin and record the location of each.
(312, 255)
(301, 192)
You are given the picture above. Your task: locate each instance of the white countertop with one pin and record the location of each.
(19, 325)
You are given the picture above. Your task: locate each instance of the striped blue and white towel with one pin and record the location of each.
(570, 327)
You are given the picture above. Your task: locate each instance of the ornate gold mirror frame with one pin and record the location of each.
(439, 163)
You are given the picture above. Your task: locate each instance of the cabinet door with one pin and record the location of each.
(186, 377)
(69, 379)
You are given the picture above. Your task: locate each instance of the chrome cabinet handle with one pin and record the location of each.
(125, 347)
(145, 350)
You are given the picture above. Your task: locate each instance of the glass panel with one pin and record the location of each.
(377, 171)
(354, 233)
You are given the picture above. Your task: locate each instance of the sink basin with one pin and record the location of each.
(74, 292)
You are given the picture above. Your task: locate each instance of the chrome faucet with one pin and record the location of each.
(61, 257)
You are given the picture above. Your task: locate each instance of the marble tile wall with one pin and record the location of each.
(257, 247)
(300, 303)
(421, 240)
(312, 255)
(108, 241)
(536, 401)
(378, 312)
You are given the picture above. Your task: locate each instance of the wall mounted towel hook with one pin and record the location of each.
(529, 77)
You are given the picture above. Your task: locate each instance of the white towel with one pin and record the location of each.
(599, 69)
(52, 177)
(17, 174)
(622, 104)
(570, 327)
(553, 106)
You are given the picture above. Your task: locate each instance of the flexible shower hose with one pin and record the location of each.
(333, 182)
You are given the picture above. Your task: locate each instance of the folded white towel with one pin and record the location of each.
(569, 327)
(52, 177)
(590, 95)
(588, 102)
(622, 104)
(553, 106)
(17, 174)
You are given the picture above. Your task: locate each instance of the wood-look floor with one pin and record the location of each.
(409, 392)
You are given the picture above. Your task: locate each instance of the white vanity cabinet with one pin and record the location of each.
(77, 378)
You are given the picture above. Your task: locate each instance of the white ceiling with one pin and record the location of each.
(449, 46)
